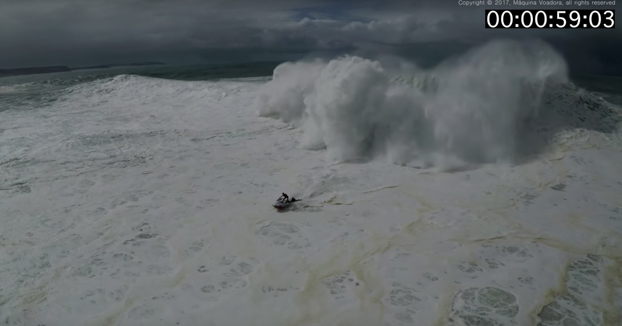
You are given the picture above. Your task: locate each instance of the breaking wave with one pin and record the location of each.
(496, 103)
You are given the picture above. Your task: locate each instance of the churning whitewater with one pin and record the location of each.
(482, 191)
(479, 108)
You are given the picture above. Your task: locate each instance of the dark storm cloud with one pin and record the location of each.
(82, 32)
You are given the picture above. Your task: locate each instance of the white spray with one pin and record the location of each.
(466, 110)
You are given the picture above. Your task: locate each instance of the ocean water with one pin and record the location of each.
(483, 191)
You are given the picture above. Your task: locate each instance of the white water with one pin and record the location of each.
(138, 201)
(469, 110)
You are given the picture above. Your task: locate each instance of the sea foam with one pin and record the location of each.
(142, 201)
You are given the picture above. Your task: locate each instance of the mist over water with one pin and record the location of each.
(470, 109)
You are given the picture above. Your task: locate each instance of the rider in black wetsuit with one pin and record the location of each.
(285, 199)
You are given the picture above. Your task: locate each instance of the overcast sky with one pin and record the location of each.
(88, 32)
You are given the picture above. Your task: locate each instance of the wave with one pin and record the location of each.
(496, 103)
(126, 90)
(34, 91)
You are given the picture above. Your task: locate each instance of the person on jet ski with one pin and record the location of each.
(285, 199)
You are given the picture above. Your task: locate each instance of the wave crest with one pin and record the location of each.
(476, 108)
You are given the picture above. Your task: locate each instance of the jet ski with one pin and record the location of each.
(284, 202)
